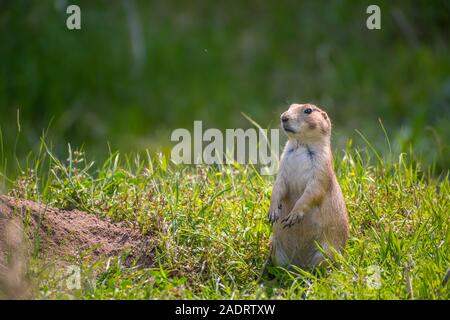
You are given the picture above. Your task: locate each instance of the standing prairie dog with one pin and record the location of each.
(307, 208)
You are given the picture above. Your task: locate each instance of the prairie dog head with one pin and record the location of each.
(307, 123)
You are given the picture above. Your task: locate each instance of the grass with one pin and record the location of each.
(213, 235)
(210, 222)
(204, 57)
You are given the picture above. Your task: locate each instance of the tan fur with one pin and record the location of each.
(307, 207)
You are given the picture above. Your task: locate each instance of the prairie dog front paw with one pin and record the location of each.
(292, 218)
(274, 213)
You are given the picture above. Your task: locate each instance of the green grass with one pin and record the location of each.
(213, 235)
(204, 57)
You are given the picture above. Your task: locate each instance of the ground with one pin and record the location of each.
(63, 234)
(210, 234)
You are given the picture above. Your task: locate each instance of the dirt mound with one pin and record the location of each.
(62, 235)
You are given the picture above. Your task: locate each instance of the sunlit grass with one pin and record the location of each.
(213, 236)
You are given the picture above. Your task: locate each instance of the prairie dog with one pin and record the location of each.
(307, 207)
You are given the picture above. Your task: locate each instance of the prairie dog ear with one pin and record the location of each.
(327, 127)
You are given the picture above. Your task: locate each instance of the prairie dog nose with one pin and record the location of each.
(284, 118)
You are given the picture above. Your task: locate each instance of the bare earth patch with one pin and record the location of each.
(63, 235)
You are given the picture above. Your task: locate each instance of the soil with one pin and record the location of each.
(64, 235)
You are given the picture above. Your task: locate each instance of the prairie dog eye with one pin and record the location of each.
(307, 110)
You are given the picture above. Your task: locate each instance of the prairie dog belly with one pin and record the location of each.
(295, 244)
(297, 168)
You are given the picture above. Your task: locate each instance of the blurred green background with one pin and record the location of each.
(139, 69)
